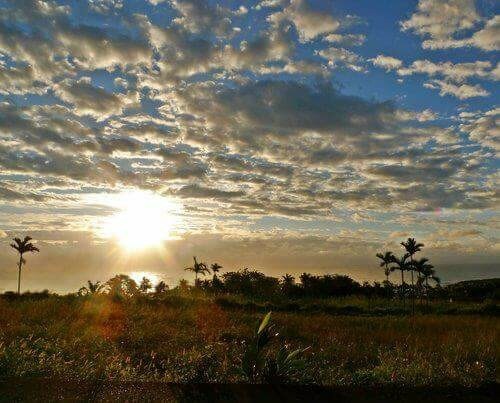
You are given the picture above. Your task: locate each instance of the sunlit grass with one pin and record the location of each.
(192, 338)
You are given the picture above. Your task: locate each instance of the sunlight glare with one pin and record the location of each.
(137, 276)
(143, 220)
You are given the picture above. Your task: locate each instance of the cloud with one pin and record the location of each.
(105, 6)
(348, 40)
(453, 76)
(97, 48)
(440, 20)
(19, 80)
(487, 38)
(183, 55)
(9, 194)
(443, 22)
(283, 108)
(386, 62)
(460, 91)
(242, 128)
(199, 16)
(94, 101)
(310, 23)
(342, 57)
(483, 128)
(456, 72)
(55, 45)
(426, 115)
(197, 191)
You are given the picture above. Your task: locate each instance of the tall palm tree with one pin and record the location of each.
(426, 272)
(22, 247)
(386, 259)
(411, 246)
(198, 268)
(215, 267)
(91, 288)
(402, 265)
(287, 283)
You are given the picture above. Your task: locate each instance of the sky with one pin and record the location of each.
(281, 135)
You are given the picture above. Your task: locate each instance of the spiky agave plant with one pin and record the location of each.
(260, 365)
(22, 247)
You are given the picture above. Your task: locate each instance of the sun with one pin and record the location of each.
(143, 220)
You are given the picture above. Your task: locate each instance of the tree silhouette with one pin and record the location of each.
(161, 287)
(145, 285)
(426, 272)
(122, 285)
(198, 268)
(22, 247)
(411, 246)
(91, 288)
(215, 267)
(402, 265)
(216, 282)
(386, 259)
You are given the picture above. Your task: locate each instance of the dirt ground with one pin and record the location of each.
(47, 390)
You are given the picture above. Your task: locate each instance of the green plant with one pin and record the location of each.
(258, 364)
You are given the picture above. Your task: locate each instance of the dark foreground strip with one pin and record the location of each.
(48, 390)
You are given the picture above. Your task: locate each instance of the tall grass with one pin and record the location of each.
(197, 339)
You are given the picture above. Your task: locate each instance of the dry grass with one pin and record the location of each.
(186, 339)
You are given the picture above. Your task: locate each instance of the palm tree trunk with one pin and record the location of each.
(19, 274)
(412, 289)
(387, 281)
(403, 287)
(419, 291)
(427, 290)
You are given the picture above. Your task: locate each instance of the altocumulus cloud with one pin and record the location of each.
(247, 114)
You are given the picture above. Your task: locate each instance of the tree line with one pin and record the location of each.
(424, 283)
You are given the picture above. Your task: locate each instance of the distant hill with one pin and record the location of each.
(475, 289)
(453, 273)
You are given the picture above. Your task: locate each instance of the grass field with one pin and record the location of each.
(196, 338)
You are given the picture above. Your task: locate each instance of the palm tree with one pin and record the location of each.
(198, 268)
(161, 287)
(287, 283)
(411, 246)
(215, 267)
(22, 247)
(91, 288)
(216, 282)
(401, 265)
(386, 259)
(145, 285)
(426, 272)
